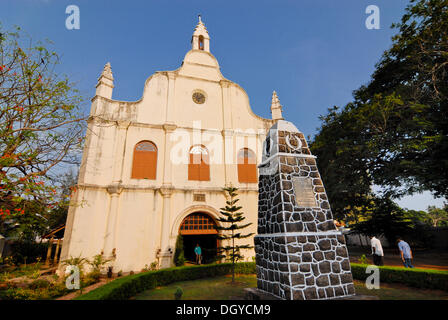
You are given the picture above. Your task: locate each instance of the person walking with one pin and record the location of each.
(198, 252)
(377, 251)
(406, 253)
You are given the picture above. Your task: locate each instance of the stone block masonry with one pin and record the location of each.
(300, 255)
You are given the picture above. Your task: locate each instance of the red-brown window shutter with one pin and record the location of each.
(144, 165)
(198, 167)
(247, 166)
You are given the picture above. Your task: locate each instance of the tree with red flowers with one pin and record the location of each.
(41, 129)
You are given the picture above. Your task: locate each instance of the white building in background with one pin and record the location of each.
(155, 168)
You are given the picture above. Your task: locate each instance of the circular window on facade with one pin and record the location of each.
(198, 97)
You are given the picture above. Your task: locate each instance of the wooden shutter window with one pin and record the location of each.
(144, 164)
(247, 166)
(198, 166)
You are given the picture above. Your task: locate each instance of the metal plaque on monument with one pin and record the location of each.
(300, 254)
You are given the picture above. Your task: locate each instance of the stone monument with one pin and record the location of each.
(300, 254)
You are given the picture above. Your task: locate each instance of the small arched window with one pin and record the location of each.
(201, 42)
(144, 164)
(198, 167)
(247, 166)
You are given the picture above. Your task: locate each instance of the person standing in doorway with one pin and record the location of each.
(406, 253)
(377, 251)
(198, 252)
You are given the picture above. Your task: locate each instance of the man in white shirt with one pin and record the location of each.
(377, 251)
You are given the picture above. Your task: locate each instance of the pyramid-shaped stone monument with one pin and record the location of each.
(300, 254)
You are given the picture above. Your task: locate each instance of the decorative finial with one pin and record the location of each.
(275, 99)
(107, 71)
(276, 107)
(105, 83)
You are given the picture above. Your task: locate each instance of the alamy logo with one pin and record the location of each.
(373, 281)
(373, 20)
(72, 281)
(73, 21)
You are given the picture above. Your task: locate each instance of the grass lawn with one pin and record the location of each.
(220, 288)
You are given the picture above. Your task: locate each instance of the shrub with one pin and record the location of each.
(179, 258)
(59, 289)
(94, 275)
(39, 283)
(16, 294)
(154, 265)
(75, 261)
(6, 261)
(126, 287)
(87, 281)
(178, 293)
(363, 259)
(28, 251)
(40, 292)
(418, 278)
(98, 262)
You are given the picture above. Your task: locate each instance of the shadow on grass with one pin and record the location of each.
(221, 288)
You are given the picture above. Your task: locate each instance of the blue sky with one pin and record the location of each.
(313, 53)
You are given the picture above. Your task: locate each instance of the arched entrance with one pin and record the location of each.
(199, 228)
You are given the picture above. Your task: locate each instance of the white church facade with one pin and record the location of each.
(155, 168)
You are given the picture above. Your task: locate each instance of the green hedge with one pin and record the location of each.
(126, 287)
(418, 278)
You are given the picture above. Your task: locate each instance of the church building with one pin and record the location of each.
(155, 168)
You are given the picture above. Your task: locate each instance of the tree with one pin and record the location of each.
(41, 130)
(231, 217)
(438, 216)
(417, 218)
(342, 155)
(387, 219)
(404, 109)
(57, 213)
(394, 133)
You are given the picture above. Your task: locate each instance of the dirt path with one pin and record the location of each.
(75, 294)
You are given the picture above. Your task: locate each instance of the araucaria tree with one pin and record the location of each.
(41, 127)
(231, 219)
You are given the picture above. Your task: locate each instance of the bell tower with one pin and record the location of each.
(200, 39)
